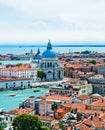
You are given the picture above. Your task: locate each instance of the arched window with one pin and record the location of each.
(55, 65)
(21, 84)
(49, 72)
(50, 64)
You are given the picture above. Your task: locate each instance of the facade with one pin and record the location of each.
(48, 121)
(45, 107)
(98, 83)
(48, 63)
(19, 72)
(81, 87)
(85, 88)
(101, 69)
(7, 83)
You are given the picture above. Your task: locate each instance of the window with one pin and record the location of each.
(21, 84)
(28, 83)
(6, 118)
(14, 84)
(50, 64)
(59, 114)
(10, 118)
(6, 85)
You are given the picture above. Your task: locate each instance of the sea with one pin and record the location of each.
(22, 49)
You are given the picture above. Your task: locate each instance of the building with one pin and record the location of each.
(45, 107)
(19, 72)
(48, 121)
(98, 83)
(7, 83)
(10, 115)
(48, 63)
(80, 87)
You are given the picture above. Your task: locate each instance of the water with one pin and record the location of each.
(15, 61)
(8, 102)
(26, 49)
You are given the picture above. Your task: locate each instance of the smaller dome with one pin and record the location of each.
(38, 55)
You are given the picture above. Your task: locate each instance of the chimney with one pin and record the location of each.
(91, 118)
(102, 100)
(95, 114)
(99, 119)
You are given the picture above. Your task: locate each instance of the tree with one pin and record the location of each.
(54, 106)
(41, 74)
(61, 125)
(18, 64)
(2, 125)
(44, 128)
(92, 61)
(86, 52)
(26, 122)
(1, 128)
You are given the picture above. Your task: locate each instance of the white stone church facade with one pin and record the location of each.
(48, 63)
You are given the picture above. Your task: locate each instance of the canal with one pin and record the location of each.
(8, 102)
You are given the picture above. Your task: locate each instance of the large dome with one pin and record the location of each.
(48, 53)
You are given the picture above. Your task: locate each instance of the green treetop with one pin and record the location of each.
(27, 122)
(92, 61)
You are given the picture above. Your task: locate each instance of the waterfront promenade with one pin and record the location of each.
(49, 83)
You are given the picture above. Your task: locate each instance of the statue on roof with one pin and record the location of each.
(49, 46)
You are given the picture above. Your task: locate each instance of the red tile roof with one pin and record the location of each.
(20, 111)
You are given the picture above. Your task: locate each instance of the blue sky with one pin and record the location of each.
(70, 21)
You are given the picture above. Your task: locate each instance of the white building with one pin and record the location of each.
(45, 107)
(19, 72)
(7, 83)
(48, 63)
(83, 88)
(98, 83)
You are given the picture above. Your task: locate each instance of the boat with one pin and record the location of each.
(12, 94)
(1, 89)
(36, 91)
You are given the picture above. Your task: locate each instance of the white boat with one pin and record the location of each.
(12, 94)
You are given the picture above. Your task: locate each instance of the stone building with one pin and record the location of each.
(48, 62)
(98, 83)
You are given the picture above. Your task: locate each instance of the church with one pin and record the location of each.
(48, 63)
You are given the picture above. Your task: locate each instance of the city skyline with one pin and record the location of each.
(61, 21)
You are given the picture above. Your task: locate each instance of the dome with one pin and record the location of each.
(38, 55)
(48, 53)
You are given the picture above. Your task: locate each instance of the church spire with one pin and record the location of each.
(49, 46)
(38, 52)
(31, 52)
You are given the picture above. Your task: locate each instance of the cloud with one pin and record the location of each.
(60, 20)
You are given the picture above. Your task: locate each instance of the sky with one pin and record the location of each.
(69, 21)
